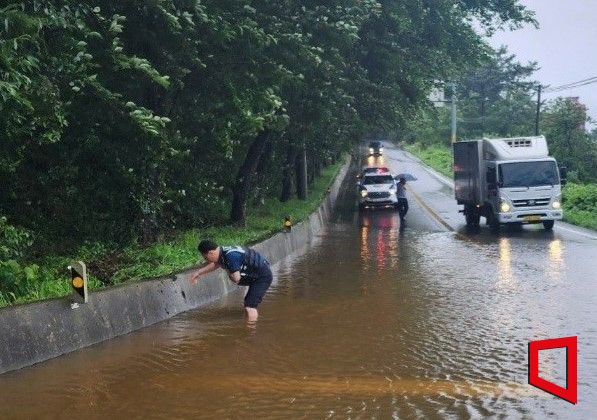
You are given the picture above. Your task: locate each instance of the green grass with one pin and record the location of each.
(580, 204)
(48, 276)
(437, 156)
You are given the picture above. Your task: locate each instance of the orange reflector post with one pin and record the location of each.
(78, 273)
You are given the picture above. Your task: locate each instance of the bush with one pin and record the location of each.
(580, 204)
(15, 279)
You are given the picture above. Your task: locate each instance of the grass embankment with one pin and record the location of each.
(579, 200)
(48, 277)
(437, 156)
(580, 204)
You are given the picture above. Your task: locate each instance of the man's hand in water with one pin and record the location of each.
(194, 277)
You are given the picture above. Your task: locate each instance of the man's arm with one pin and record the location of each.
(207, 268)
(235, 277)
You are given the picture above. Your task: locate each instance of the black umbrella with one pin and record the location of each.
(407, 177)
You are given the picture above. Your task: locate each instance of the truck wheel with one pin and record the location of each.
(492, 221)
(472, 216)
(548, 224)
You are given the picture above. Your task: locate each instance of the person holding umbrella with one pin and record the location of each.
(402, 200)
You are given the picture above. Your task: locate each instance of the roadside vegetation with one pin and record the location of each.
(580, 204)
(437, 156)
(109, 265)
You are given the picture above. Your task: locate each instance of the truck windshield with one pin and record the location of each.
(381, 179)
(528, 174)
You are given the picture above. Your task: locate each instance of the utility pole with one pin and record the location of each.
(453, 136)
(538, 110)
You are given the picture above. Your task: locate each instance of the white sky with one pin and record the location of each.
(564, 46)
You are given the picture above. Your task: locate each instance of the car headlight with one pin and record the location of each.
(380, 149)
(504, 207)
(364, 193)
(371, 150)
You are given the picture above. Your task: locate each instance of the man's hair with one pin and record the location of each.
(402, 179)
(206, 245)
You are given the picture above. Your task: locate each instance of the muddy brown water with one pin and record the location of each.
(370, 322)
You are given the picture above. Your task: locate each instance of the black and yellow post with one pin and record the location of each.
(287, 224)
(78, 275)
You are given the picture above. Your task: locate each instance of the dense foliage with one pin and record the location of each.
(123, 120)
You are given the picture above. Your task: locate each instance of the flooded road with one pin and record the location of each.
(370, 321)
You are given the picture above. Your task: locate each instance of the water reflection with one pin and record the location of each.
(375, 160)
(505, 262)
(379, 236)
(365, 255)
(556, 262)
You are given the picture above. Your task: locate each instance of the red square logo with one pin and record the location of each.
(570, 393)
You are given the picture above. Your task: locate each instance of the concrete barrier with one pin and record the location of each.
(39, 331)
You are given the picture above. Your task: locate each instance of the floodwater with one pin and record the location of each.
(371, 321)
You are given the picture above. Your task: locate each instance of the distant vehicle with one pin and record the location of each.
(375, 148)
(377, 190)
(508, 180)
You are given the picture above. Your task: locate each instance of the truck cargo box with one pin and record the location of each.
(467, 170)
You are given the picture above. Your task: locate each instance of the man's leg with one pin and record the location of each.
(251, 314)
(401, 208)
(255, 296)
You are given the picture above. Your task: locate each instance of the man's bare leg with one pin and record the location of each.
(252, 314)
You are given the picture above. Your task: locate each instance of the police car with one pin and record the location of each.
(372, 170)
(377, 189)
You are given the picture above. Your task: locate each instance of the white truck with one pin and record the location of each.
(508, 180)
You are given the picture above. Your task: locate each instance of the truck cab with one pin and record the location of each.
(507, 180)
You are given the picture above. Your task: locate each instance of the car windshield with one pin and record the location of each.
(378, 179)
(375, 144)
(528, 174)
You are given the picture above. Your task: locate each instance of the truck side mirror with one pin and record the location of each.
(563, 175)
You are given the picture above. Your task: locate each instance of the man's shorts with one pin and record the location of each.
(257, 289)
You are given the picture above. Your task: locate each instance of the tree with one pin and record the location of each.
(564, 122)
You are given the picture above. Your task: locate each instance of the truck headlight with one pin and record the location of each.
(556, 205)
(364, 193)
(504, 207)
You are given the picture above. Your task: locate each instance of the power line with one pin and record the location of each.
(572, 85)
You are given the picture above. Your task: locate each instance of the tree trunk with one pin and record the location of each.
(261, 172)
(240, 191)
(310, 171)
(288, 174)
(301, 174)
(317, 168)
(150, 208)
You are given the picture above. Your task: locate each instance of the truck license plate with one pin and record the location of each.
(532, 218)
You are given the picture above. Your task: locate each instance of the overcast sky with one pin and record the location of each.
(564, 46)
